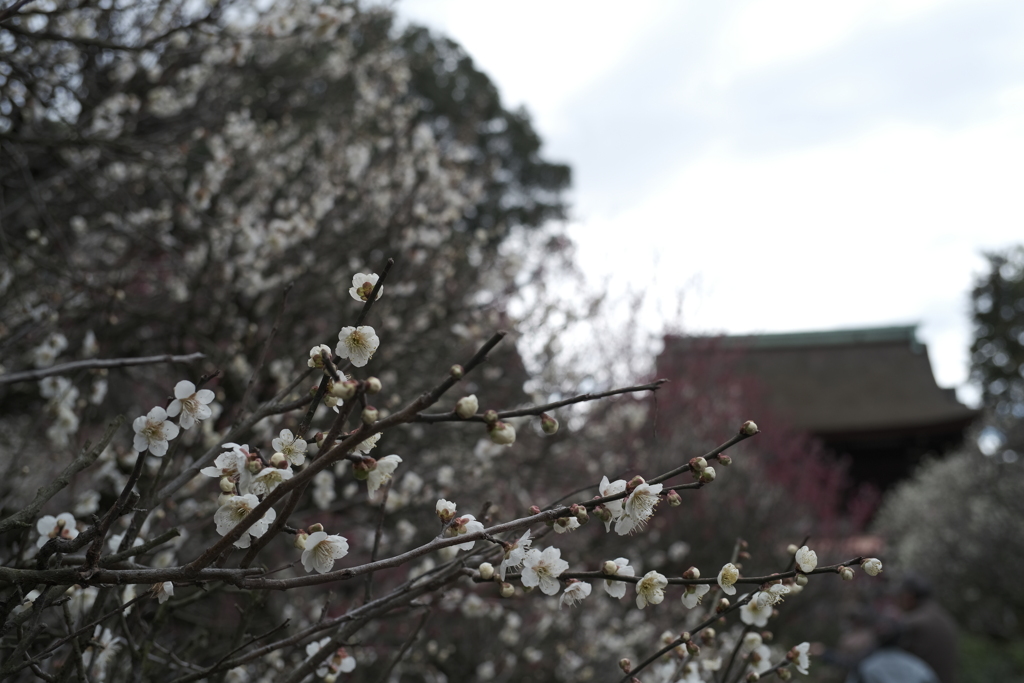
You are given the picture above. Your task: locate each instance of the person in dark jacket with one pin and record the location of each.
(928, 630)
(889, 663)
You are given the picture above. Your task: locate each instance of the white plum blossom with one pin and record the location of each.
(445, 510)
(607, 488)
(27, 602)
(358, 344)
(231, 464)
(291, 447)
(316, 355)
(691, 674)
(751, 640)
(382, 473)
(104, 647)
(650, 590)
(760, 659)
(63, 525)
(235, 510)
(806, 559)
(565, 524)
(323, 490)
(322, 550)
(617, 589)
(46, 353)
(727, 577)
(574, 593)
(515, 554)
(467, 524)
(756, 612)
(163, 591)
(339, 661)
(362, 286)
(872, 566)
(773, 595)
(800, 656)
(543, 569)
(153, 431)
(364, 447)
(638, 508)
(268, 479)
(467, 406)
(191, 404)
(694, 593)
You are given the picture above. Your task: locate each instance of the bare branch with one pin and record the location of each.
(95, 364)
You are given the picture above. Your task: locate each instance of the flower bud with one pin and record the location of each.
(362, 468)
(698, 464)
(767, 636)
(254, 466)
(456, 371)
(534, 510)
(708, 475)
(548, 424)
(224, 499)
(581, 515)
(846, 573)
(369, 415)
(314, 528)
(300, 539)
(278, 460)
(791, 548)
(784, 673)
(752, 676)
(373, 385)
(708, 635)
(445, 510)
(725, 460)
(467, 406)
(723, 604)
(490, 417)
(674, 499)
(502, 433)
(748, 428)
(871, 566)
(685, 636)
(625, 665)
(226, 485)
(319, 438)
(691, 573)
(486, 570)
(507, 590)
(610, 568)
(603, 513)
(634, 482)
(693, 648)
(802, 580)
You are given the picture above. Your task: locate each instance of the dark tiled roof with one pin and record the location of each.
(839, 381)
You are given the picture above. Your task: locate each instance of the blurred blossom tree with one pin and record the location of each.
(219, 188)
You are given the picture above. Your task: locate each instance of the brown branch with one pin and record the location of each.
(96, 363)
(537, 410)
(9, 11)
(266, 347)
(368, 591)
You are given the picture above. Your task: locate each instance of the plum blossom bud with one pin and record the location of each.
(685, 636)
(581, 515)
(634, 482)
(767, 636)
(373, 385)
(254, 465)
(708, 475)
(227, 485)
(806, 559)
(846, 573)
(603, 514)
(691, 573)
(610, 568)
(467, 406)
(698, 464)
(343, 390)
(445, 510)
(784, 673)
(319, 438)
(507, 590)
(369, 415)
(456, 371)
(791, 548)
(491, 417)
(708, 635)
(502, 433)
(224, 498)
(625, 665)
(534, 510)
(362, 468)
(548, 424)
(725, 460)
(693, 648)
(674, 499)
(279, 460)
(802, 580)
(872, 566)
(486, 570)
(752, 676)
(723, 604)
(300, 539)
(748, 428)
(315, 528)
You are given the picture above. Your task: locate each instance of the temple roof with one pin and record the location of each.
(841, 381)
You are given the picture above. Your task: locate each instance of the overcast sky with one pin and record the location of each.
(787, 165)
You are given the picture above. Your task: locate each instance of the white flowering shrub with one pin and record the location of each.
(197, 204)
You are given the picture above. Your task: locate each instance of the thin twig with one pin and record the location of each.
(266, 348)
(368, 590)
(96, 363)
(405, 648)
